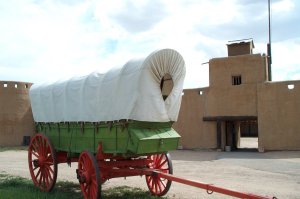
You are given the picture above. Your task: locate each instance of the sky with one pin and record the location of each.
(49, 40)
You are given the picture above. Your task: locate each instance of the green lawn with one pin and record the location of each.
(17, 187)
(14, 148)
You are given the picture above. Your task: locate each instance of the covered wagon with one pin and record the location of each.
(112, 124)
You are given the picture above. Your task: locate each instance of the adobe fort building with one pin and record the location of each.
(16, 120)
(241, 102)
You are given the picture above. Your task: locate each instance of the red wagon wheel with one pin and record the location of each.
(88, 176)
(163, 163)
(42, 162)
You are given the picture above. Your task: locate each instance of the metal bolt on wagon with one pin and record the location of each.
(116, 124)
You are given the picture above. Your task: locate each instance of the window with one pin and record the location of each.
(236, 80)
(5, 85)
(16, 85)
(291, 86)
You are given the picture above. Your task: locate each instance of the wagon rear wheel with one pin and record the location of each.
(163, 163)
(42, 162)
(88, 176)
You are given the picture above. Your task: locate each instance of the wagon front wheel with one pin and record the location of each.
(163, 163)
(88, 176)
(42, 162)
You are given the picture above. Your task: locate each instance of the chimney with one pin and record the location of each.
(240, 47)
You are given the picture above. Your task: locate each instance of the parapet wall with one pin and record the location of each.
(16, 120)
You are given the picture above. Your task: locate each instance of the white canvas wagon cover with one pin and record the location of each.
(129, 92)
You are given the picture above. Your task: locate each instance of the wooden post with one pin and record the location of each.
(219, 134)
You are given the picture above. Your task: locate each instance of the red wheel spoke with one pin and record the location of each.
(48, 151)
(35, 147)
(46, 176)
(38, 173)
(83, 163)
(165, 170)
(41, 176)
(49, 157)
(159, 159)
(48, 170)
(35, 168)
(35, 154)
(44, 147)
(152, 184)
(38, 144)
(48, 163)
(161, 185)
(155, 185)
(86, 188)
(161, 164)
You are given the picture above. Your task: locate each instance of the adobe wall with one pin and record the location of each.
(238, 100)
(194, 132)
(225, 99)
(16, 118)
(252, 69)
(278, 116)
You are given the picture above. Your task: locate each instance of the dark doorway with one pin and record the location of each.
(230, 132)
(249, 129)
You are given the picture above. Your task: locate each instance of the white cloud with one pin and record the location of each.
(49, 40)
(282, 6)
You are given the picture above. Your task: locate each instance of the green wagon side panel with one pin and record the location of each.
(133, 138)
(144, 141)
(107, 137)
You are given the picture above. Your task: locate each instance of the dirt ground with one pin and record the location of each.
(271, 173)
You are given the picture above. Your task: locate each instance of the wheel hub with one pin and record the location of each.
(36, 163)
(83, 176)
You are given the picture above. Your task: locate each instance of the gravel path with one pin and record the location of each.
(272, 173)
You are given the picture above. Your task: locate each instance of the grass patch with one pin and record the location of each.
(12, 187)
(17, 187)
(13, 148)
(127, 192)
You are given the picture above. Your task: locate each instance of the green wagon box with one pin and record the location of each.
(128, 138)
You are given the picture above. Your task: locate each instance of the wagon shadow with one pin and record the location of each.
(18, 187)
(127, 192)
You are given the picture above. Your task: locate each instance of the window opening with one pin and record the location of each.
(5, 85)
(237, 80)
(291, 86)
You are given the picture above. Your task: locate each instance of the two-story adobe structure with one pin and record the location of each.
(241, 100)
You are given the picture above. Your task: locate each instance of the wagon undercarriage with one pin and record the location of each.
(94, 170)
